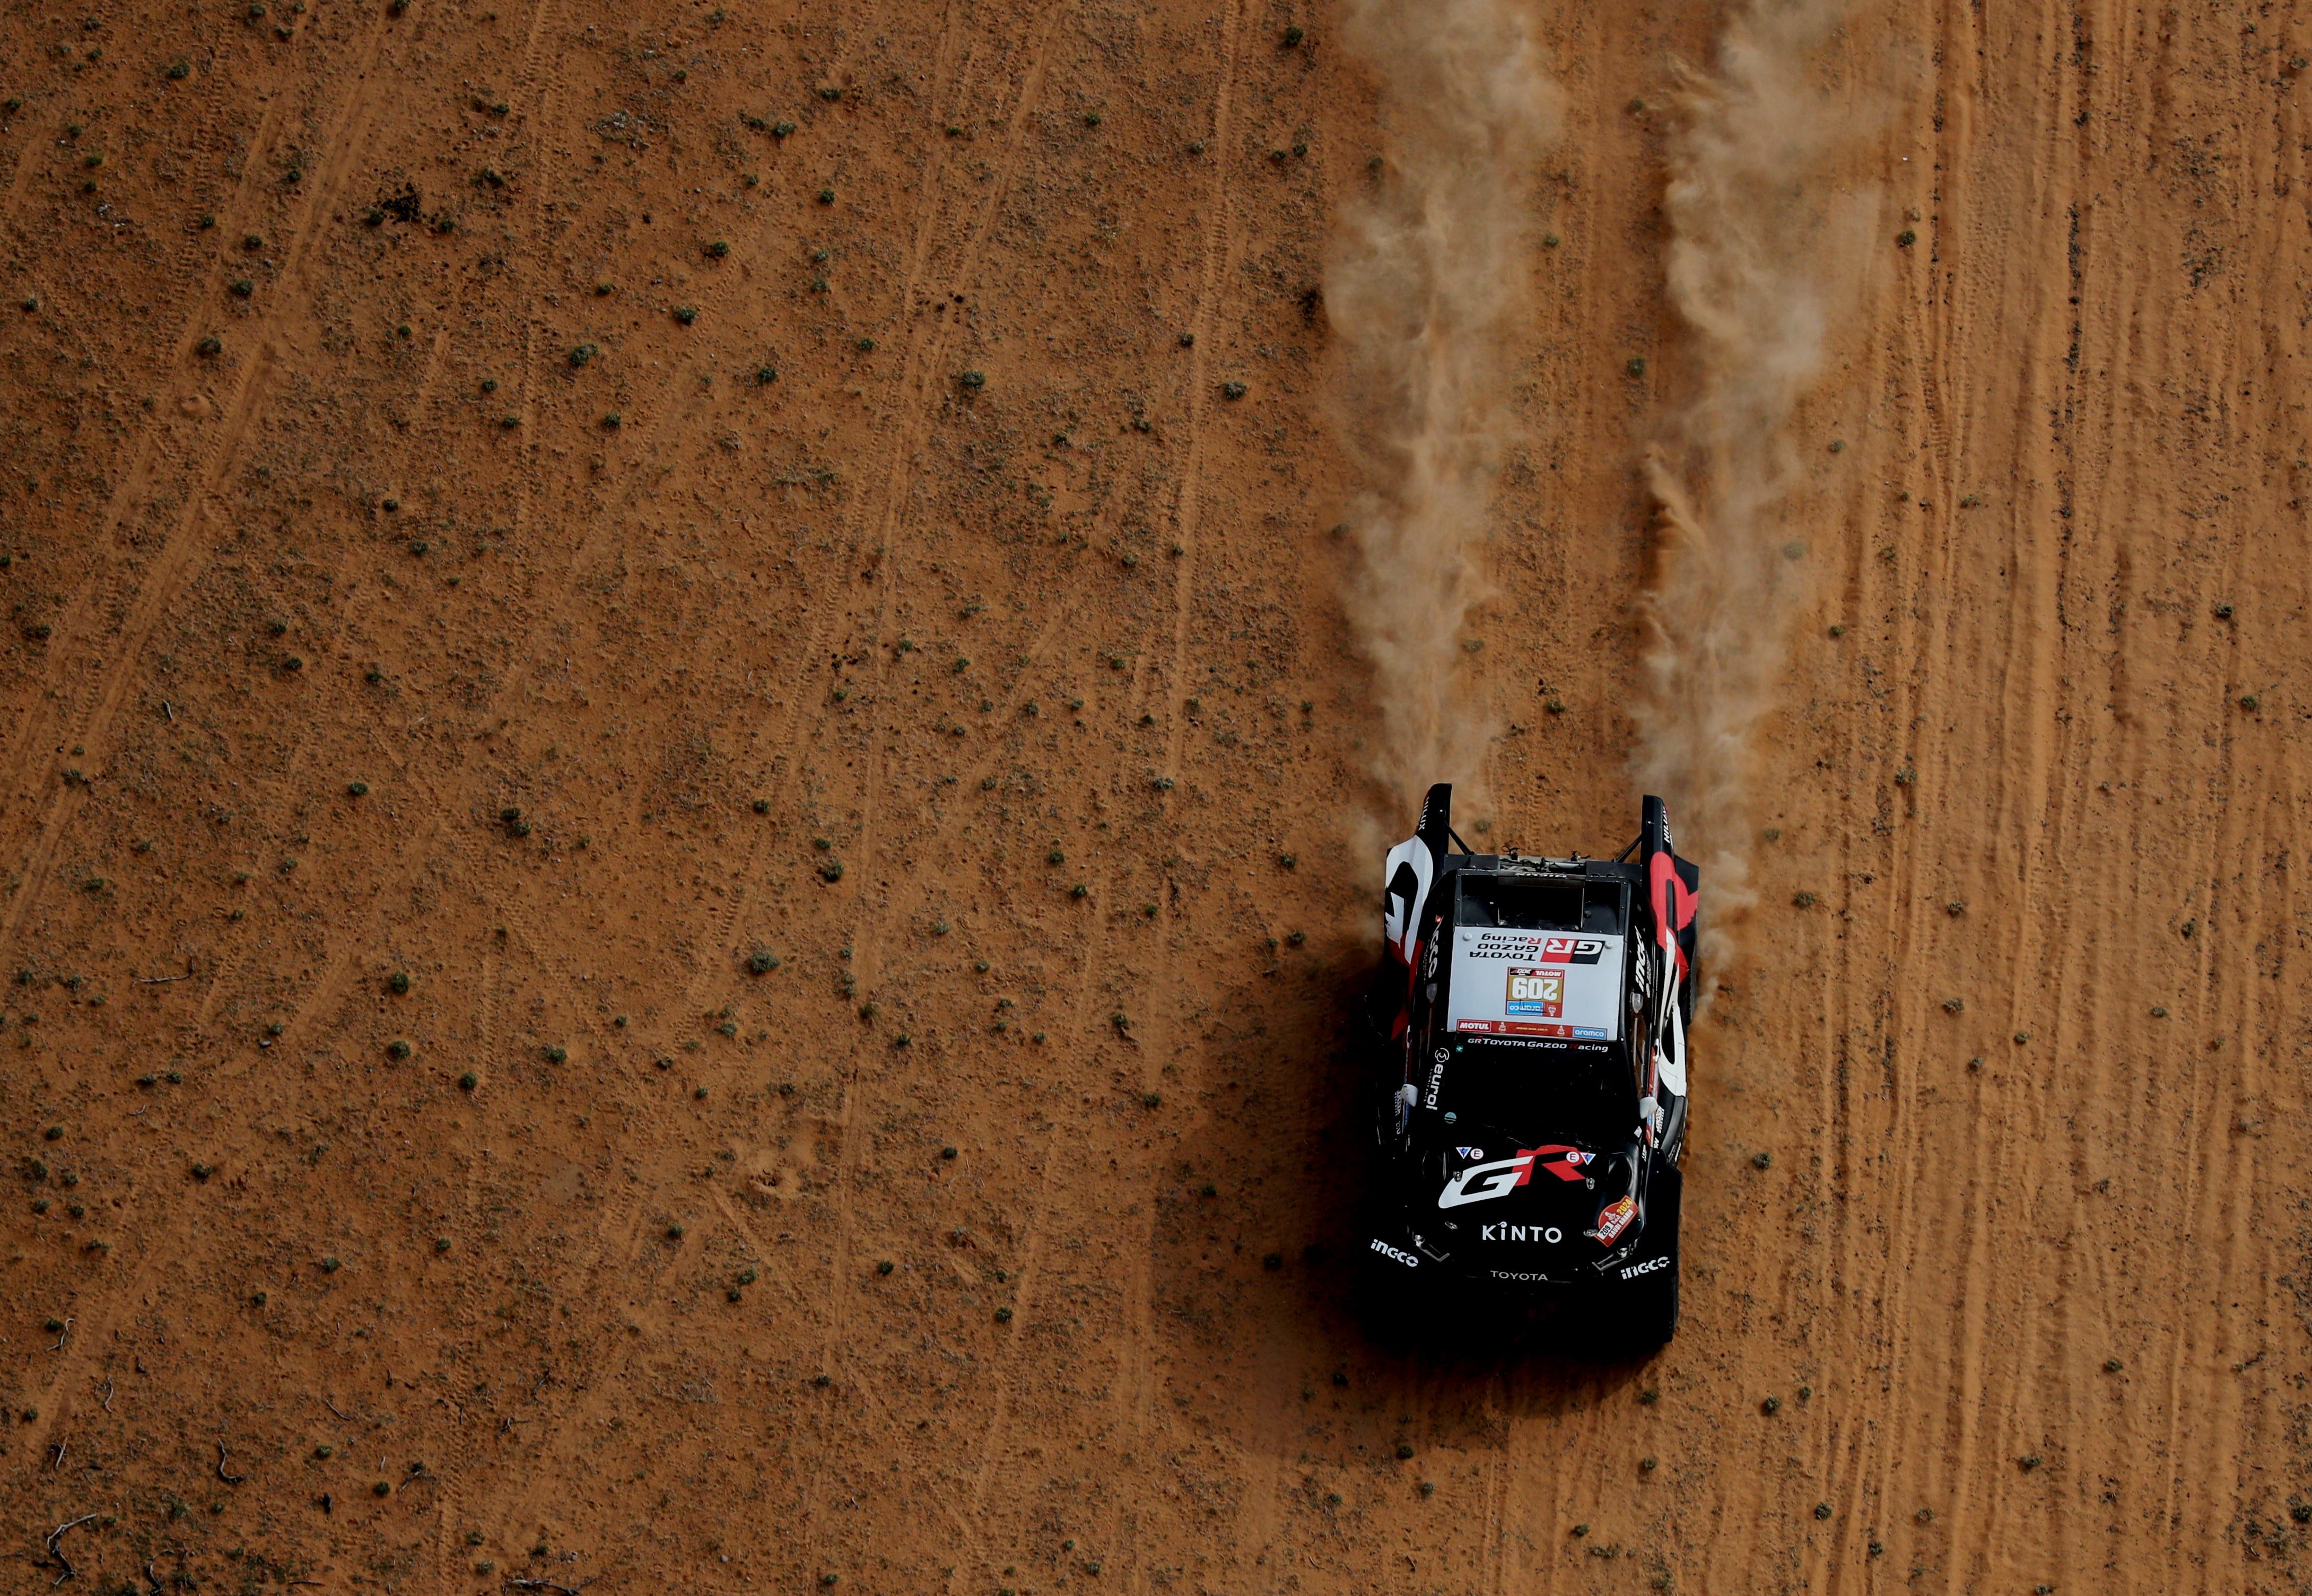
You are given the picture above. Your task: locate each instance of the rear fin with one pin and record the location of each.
(1672, 887)
(1410, 869)
(1436, 818)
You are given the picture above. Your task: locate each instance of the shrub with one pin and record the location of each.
(718, 248)
(357, 789)
(975, 380)
(177, 72)
(209, 346)
(827, 197)
(1235, 390)
(766, 375)
(686, 314)
(582, 354)
(242, 287)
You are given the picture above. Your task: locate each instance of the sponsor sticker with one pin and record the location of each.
(1572, 950)
(1536, 995)
(1480, 1181)
(1615, 1218)
(1398, 1254)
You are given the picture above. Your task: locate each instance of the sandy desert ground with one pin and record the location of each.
(877, 1114)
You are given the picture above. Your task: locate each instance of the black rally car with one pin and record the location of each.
(1531, 1021)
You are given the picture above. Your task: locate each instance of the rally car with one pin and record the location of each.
(1531, 1025)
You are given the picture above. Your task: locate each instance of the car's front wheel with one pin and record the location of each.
(1645, 1298)
(1648, 1309)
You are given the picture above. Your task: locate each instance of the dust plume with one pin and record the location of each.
(1762, 260)
(1423, 280)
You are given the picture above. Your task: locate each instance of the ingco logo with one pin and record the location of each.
(1647, 1268)
(1521, 1232)
(1397, 1253)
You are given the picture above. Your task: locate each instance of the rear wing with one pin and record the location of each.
(1412, 869)
(1672, 892)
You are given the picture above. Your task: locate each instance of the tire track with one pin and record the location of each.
(1137, 1376)
(172, 571)
(926, 351)
(168, 575)
(917, 404)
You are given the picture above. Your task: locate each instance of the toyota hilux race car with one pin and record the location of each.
(1531, 1022)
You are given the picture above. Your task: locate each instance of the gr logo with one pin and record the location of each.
(1521, 1232)
(1397, 1253)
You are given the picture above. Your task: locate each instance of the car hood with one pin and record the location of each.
(1551, 1206)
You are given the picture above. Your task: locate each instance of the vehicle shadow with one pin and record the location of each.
(1260, 1284)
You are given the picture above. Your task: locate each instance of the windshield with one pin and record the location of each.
(1535, 1009)
(1536, 958)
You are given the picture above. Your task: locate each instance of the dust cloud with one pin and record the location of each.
(1425, 277)
(1763, 262)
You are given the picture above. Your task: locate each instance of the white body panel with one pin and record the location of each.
(1535, 983)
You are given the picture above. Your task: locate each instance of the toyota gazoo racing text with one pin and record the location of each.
(1531, 1022)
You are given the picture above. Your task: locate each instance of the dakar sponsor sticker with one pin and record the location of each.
(1615, 1218)
(1535, 994)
